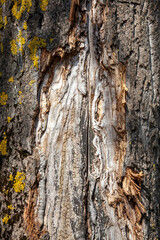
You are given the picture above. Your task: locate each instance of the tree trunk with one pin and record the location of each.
(79, 108)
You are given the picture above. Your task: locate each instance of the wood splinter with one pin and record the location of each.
(74, 3)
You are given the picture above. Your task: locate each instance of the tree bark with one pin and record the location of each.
(79, 101)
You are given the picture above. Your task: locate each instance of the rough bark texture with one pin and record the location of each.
(79, 102)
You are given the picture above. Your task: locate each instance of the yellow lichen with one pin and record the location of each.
(21, 41)
(1, 19)
(33, 46)
(5, 21)
(25, 26)
(11, 79)
(9, 119)
(3, 146)
(20, 6)
(6, 191)
(3, 1)
(154, 167)
(6, 219)
(11, 177)
(20, 97)
(13, 47)
(10, 207)
(0, 74)
(43, 4)
(19, 184)
(31, 82)
(3, 98)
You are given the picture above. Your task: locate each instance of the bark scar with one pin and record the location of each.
(127, 200)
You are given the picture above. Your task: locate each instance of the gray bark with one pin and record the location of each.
(83, 126)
